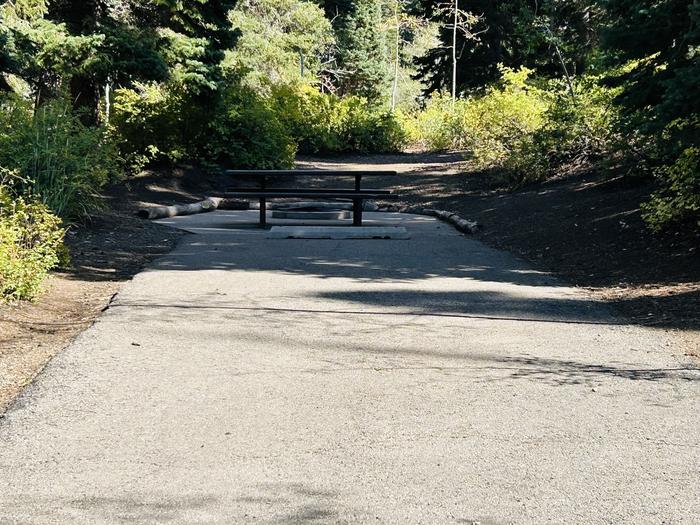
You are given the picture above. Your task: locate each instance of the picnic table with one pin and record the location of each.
(356, 194)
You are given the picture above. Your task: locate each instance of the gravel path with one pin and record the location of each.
(435, 380)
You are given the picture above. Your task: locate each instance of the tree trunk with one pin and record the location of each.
(85, 95)
(454, 52)
(395, 83)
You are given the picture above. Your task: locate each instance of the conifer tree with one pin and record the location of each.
(362, 50)
(510, 32)
(87, 43)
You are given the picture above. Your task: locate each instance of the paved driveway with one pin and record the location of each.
(432, 380)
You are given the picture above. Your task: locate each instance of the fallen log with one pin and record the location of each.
(464, 225)
(162, 212)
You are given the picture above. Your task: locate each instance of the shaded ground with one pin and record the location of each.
(433, 380)
(104, 254)
(585, 229)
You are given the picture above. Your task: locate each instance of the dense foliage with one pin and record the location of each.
(546, 36)
(661, 41)
(528, 131)
(326, 123)
(59, 161)
(282, 41)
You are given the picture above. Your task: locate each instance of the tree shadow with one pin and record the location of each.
(128, 508)
(336, 330)
(384, 261)
(290, 502)
(302, 503)
(395, 262)
(481, 304)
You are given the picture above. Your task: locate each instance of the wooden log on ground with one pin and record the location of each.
(464, 225)
(162, 212)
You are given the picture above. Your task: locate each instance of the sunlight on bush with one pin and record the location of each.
(489, 127)
(526, 130)
(156, 122)
(145, 125)
(324, 123)
(31, 240)
(248, 133)
(575, 132)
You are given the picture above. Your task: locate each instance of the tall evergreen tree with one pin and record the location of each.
(662, 39)
(659, 42)
(362, 50)
(7, 61)
(91, 42)
(513, 33)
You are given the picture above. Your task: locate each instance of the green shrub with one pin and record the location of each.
(678, 200)
(146, 125)
(165, 122)
(525, 130)
(30, 245)
(575, 131)
(490, 126)
(433, 127)
(61, 162)
(325, 123)
(365, 129)
(247, 133)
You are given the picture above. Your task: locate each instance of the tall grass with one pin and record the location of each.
(61, 162)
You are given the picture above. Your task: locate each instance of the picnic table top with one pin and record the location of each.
(313, 173)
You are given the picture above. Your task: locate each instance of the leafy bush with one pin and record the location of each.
(366, 129)
(490, 126)
(60, 161)
(30, 245)
(325, 123)
(247, 133)
(146, 125)
(526, 130)
(158, 122)
(575, 131)
(678, 201)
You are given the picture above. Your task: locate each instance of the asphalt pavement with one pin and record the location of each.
(243, 379)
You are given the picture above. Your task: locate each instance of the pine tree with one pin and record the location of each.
(362, 51)
(662, 39)
(659, 43)
(88, 43)
(510, 32)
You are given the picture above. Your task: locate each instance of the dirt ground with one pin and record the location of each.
(586, 229)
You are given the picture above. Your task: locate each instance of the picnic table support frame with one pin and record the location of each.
(357, 203)
(356, 196)
(357, 212)
(263, 204)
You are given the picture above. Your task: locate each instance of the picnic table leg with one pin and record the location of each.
(263, 203)
(263, 212)
(357, 212)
